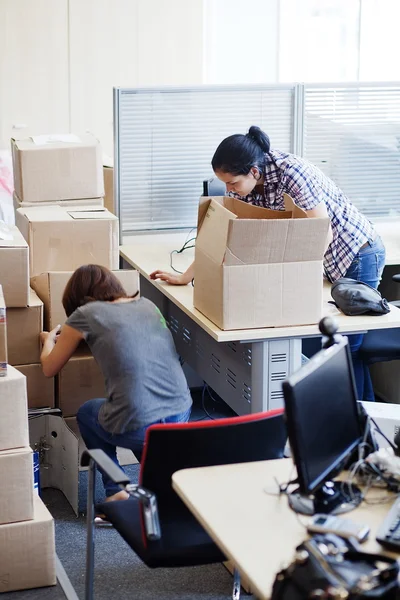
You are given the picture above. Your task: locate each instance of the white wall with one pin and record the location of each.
(33, 66)
(241, 41)
(59, 59)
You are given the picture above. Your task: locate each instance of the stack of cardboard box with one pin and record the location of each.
(24, 316)
(59, 209)
(27, 545)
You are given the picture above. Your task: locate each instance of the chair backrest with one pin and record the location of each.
(171, 447)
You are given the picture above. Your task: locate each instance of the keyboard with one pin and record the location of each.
(389, 531)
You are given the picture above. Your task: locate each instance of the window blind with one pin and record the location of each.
(165, 139)
(352, 132)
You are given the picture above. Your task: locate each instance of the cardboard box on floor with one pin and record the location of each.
(14, 266)
(63, 239)
(40, 389)
(23, 328)
(256, 267)
(50, 288)
(80, 380)
(27, 552)
(46, 168)
(61, 448)
(64, 203)
(16, 473)
(3, 335)
(13, 411)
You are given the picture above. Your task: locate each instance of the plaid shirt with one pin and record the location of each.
(308, 186)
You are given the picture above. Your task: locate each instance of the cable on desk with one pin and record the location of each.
(184, 247)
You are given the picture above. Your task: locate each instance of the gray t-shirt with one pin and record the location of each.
(136, 353)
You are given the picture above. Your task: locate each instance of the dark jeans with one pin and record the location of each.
(95, 436)
(367, 267)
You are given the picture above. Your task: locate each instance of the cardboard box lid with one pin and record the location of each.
(55, 142)
(60, 213)
(258, 235)
(17, 241)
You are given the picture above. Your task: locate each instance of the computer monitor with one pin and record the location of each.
(324, 428)
(214, 187)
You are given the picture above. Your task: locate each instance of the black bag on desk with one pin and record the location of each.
(354, 298)
(328, 567)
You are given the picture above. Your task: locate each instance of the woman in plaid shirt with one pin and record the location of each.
(257, 174)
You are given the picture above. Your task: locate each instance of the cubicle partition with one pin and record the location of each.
(165, 139)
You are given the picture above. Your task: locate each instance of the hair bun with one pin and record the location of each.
(259, 137)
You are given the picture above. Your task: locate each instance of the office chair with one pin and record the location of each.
(396, 278)
(382, 345)
(179, 540)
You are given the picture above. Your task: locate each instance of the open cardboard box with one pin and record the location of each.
(256, 267)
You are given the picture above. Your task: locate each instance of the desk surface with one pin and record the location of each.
(147, 256)
(239, 507)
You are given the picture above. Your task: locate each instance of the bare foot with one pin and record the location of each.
(122, 495)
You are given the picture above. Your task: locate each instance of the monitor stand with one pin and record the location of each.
(334, 497)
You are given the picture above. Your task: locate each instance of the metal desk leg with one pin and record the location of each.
(272, 362)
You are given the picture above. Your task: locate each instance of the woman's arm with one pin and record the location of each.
(174, 278)
(58, 348)
(306, 193)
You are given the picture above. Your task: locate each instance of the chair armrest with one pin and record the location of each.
(150, 509)
(396, 278)
(105, 463)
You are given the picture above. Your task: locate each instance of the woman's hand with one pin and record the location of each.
(50, 337)
(172, 278)
(58, 347)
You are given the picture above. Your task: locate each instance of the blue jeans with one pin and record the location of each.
(95, 436)
(367, 267)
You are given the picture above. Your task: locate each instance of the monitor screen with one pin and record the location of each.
(322, 415)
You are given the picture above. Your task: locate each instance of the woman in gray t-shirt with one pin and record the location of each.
(135, 351)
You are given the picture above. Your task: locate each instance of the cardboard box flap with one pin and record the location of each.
(213, 234)
(95, 213)
(275, 241)
(57, 142)
(204, 203)
(17, 240)
(45, 214)
(244, 210)
(298, 213)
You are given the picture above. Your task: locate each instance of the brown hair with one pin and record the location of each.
(90, 283)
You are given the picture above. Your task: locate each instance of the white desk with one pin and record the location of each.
(245, 367)
(256, 530)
